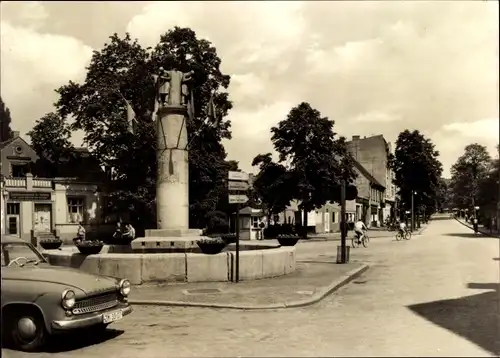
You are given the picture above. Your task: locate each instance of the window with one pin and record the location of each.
(75, 210)
(13, 208)
(333, 217)
(255, 222)
(19, 170)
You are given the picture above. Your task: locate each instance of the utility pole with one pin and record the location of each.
(343, 224)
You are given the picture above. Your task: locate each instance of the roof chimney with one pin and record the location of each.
(15, 134)
(355, 137)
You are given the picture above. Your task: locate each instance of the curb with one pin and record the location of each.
(481, 232)
(334, 286)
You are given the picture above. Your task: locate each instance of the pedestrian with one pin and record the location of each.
(475, 225)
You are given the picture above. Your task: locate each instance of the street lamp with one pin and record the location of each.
(412, 210)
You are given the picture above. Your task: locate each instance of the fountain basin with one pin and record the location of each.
(257, 261)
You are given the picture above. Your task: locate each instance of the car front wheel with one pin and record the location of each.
(28, 330)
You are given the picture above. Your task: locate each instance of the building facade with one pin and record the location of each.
(373, 154)
(368, 207)
(370, 201)
(31, 205)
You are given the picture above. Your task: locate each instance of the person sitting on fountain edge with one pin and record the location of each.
(118, 231)
(129, 232)
(80, 233)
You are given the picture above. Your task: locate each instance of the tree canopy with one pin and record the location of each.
(417, 168)
(469, 174)
(50, 138)
(122, 70)
(271, 185)
(312, 162)
(5, 122)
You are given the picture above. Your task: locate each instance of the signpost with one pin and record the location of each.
(237, 183)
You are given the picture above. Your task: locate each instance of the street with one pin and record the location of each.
(434, 295)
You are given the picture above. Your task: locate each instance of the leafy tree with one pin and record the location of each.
(272, 185)
(488, 195)
(5, 121)
(315, 159)
(50, 138)
(443, 195)
(124, 69)
(416, 168)
(470, 169)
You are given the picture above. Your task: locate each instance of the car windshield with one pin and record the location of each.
(22, 253)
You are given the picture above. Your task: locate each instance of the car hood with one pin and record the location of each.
(72, 278)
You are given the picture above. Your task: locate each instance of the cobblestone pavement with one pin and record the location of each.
(309, 279)
(434, 295)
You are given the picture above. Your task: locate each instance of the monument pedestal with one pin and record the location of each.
(168, 240)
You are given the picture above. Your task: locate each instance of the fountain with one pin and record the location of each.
(170, 253)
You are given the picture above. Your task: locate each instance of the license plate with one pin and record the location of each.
(112, 316)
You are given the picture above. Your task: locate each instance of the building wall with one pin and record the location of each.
(16, 151)
(90, 212)
(371, 153)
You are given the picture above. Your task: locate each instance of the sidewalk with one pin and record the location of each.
(481, 229)
(310, 283)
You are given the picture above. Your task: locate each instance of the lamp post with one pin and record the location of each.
(412, 210)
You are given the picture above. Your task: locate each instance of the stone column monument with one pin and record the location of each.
(172, 105)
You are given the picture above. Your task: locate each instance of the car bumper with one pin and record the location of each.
(76, 322)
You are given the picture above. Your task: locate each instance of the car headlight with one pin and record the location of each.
(125, 287)
(68, 299)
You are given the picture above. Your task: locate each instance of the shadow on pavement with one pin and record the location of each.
(77, 340)
(474, 318)
(471, 236)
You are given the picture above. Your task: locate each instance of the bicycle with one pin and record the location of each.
(406, 235)
(356, 242)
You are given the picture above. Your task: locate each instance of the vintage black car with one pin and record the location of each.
(39, 300)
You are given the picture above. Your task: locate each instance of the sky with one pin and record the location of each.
(372, 67)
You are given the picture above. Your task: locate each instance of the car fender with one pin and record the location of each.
(8, 307)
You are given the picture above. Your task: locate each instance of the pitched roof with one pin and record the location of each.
(366, 174)
(7, 142)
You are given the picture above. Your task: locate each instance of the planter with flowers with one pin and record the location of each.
(52, 243)
(288, 239)
(89, 247)
(211, 246)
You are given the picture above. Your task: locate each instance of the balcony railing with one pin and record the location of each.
(42, 183)
(22, 183)
(15, 182)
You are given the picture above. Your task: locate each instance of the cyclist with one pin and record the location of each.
(402, 228)
(359, 230)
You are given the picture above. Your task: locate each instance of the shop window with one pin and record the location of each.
(76, 210)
